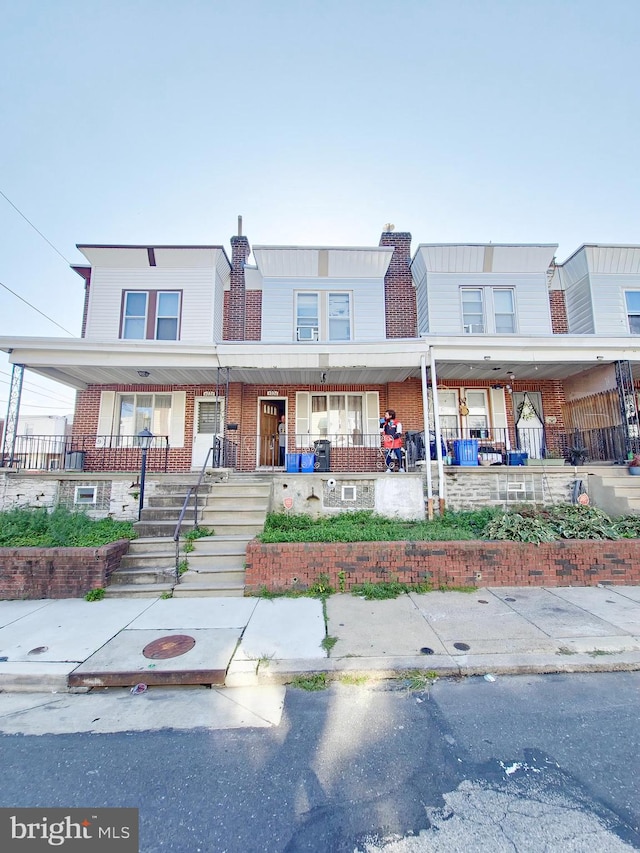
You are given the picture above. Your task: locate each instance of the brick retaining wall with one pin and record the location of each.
(30, 573)
(446, 564)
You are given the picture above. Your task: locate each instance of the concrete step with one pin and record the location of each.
(241, 490)
(159, 528)
(165, 513)
(154, 501)
(213, 517)
(239, 503)
(146, 561)
(238, 527)
(203, 589)
(150, 544)
(138, 590)
(142, 575)
(212, 575)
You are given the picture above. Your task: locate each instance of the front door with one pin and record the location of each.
(269, 412)
(208, 425)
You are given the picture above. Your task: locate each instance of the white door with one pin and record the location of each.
(208, 422)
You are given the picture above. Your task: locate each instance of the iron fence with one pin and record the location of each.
(86, 453)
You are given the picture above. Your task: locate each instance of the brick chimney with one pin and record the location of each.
(399, 294)
(236, 315)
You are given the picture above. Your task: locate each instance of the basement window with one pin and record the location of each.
(85, 495)
(348, 493)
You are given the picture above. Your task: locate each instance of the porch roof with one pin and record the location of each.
(78, 362)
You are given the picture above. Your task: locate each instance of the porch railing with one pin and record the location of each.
(87, 453)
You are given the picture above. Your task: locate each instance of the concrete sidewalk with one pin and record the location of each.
(73, 644)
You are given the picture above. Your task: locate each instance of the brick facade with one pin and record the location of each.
(34, 573)
(399, 293)
(443, 564)
(559, 322)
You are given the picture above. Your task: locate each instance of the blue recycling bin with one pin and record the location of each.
(307, 463)
(517, 457)
(465, 451)
(292, 463)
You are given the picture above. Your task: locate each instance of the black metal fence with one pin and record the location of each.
(86, 453)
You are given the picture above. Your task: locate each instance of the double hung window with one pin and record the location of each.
(151, 315)
(633, 310)
(488, 310)
(324, 316)
(144, 411)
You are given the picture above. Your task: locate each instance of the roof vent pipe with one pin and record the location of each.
(239, 226)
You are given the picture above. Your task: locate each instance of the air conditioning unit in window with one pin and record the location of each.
(307, 333)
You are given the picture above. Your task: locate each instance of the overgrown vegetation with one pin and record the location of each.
(523, 523)
(315, 681)
(387, 589)
(96, 594)
(59, 528)
(365, 526)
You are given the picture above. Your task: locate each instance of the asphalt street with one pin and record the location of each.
(524, 763)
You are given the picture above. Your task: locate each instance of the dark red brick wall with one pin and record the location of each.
(399, 292)
(559, 322)
(444, 564)
(240, 251)
(31, 573)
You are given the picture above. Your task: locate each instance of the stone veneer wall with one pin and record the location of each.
(32, 573)
(506, 485)
(443, 564)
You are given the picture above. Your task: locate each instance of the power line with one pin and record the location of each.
(31, 385)
(36, 309)
(28, 221)
(33, 406)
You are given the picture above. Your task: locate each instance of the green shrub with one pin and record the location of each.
(59, 528)
(96, 594)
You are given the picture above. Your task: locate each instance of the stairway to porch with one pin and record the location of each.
(234, 509)
(614, 490)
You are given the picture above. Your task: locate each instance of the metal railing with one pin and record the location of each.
(86, 453)
(215, 452)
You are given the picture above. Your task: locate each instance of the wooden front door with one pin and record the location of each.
(268, 434)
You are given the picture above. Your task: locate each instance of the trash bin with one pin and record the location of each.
(307, 463)
(465, 451)
(323, 454)
(517, 457)
(292, 463)
(74, 461)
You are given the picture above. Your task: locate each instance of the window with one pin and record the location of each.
(140, 411)
(478, 417)
(151, 315)
(496, 303)
(337, 414)
(504, 313)
(85, 495)
(633, 310)
(472, 311)
(323, 316)
(448, 413)
(307, 317)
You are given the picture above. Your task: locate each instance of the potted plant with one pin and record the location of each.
(577, 455)
(633, 465)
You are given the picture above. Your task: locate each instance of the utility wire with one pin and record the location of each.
(32, 385)
(28, 221)
(36, 309)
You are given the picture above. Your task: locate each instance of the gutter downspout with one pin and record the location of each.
(436, 422)
(425, 415)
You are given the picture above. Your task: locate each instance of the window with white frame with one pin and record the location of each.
(472, 310)
(85, 495)
(632, 298)
(448, 413)
(324, 316)
(478, 417)
(150, 315)
(344, 419)
(488, 310)
(504, 310)
(144, 411)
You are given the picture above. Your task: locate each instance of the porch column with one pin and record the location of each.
(13, 412)
(425, 415)
(436, 423)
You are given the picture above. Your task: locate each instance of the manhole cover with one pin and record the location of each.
(169, 647)
(462, 647)
(425, 650)
(38, 650)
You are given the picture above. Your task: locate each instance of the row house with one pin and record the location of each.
(498, 348)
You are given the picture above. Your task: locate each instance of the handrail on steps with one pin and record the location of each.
(193, 490)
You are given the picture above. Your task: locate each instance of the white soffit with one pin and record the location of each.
(137, 257)
(621, 260)
(331, 262)
(488, 258)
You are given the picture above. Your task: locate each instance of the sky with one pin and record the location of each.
(161, 121)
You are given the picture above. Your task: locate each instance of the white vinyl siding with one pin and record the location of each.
(279, 306)
(197, 285)
(532, 317)
(609, 302)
